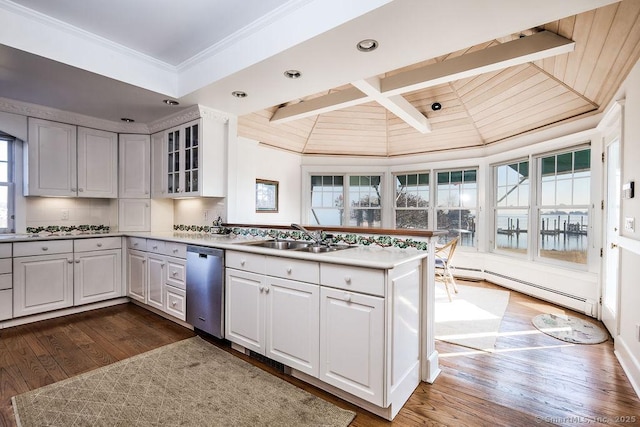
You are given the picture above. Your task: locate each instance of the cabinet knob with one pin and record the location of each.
(77, 261)
(289, 270)
(154, 248)
(135, 244)
(70, 261)
(99, 245)
(81, 189)
(175, 251)
(347, 279)
(261, 288)
(44, 248)
(146, 192)
(242, 262)
(266, 290)
(347, 297)
(174, 273)
(173, 303)
(74, 189)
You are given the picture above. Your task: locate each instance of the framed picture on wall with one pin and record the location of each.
(266, 195)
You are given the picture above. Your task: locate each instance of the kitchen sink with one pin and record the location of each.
(280, 244)
(296, 246)
(321, 249)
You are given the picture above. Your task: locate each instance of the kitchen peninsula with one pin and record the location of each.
(349, 321)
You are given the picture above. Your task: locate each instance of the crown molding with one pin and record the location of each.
(53, 114)
(192, 113)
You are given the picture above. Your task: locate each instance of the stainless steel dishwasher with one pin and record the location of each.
(205, 289)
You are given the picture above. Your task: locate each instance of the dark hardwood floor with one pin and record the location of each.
(532, 379)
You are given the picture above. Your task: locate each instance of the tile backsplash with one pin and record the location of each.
(193, 211)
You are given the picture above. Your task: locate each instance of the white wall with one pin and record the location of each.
(253, 161)
(44, 211)
(627, 344)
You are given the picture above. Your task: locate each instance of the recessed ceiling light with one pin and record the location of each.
(170, 102)
(239, 94)
(367, 45)
(293, 74)
(128, 120)
(436, 106)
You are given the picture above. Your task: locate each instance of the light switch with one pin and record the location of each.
(629, 224)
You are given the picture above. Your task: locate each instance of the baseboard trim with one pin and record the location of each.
(630, 365)
(60, 313)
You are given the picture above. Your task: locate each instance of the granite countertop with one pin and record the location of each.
(362, 256)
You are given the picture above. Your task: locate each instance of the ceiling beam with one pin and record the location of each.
(388, 90)
(322, 104)
(395, 103)
(519, 51)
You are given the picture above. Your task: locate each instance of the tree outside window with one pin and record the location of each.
(457, 204)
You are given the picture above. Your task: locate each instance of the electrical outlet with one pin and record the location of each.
(207, 216)
(65, 214)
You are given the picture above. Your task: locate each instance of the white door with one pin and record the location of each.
(97, 276)
(137, 275)
(610, 286)
(97, 163)
(134, 215)
(155, 280)
(42, 283)
(244, 309)
(352, 358)
(293, 324)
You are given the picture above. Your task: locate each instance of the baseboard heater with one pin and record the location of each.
(534, 285)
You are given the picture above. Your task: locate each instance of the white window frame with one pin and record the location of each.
(476, 208)
(346, 174)
(10, 184)
(428, 208)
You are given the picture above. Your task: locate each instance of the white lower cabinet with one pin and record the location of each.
(42, 283)
(292, 313)
(97, 272)
(155, 280)
(137, 275)
(352, 343)
(6, 282)
(156, 274)
(273, 316)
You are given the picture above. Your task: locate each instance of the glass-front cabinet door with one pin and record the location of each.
(173, 164)
(191, 148)
(183, 145)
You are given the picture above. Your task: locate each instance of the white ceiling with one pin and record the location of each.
(120, 58)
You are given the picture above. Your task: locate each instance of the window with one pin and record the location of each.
(412, 200)
(511, 207)
(457, 204)
(6, 185)
(563, 206)
(356, 204)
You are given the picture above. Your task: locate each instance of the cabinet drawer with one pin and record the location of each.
(246, 261)
(137, 243)
(176, 272)
(175, 302)
(6, 281)
(6, 266)
(178, 250)
(155, 246)
(42, 248)
(356, 279)
(6, 304)
(96, 244)
(5, 250)
(294, 269)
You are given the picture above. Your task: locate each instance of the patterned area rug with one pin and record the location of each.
(188, 383)
(473, 317)
(570, 329)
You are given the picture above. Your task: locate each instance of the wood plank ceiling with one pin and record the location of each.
(480, 110)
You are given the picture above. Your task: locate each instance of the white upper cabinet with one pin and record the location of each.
(51, 152)
(64, 160)
(97, 163)
(135, 165)
(190, 160)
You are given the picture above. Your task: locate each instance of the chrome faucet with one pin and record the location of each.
(316, 236)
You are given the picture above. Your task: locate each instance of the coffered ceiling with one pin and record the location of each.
(122, 58)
